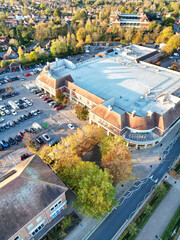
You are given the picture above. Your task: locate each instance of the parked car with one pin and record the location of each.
(18, 138)
(6, 126)
(34, 113)
(11, 141)
(46, 137)
(2, 113)
(71, 126)
(39, 140)
(25, 117)
(21, 134)
(58, 108)
(32, 130)
(24, 156)
(16, 121)
(30, 115)
(13, 112)
(7, 112)
(11, 123)
(53, 142)
(21, 119)
(4, 143)
(2, 129)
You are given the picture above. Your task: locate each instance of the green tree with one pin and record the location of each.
(174, 41)
(44, 154)
(57, 13)
(34, 56)
(160, 190)
(59, 96)
(148, 209)
(82, 112)
(168, 22)
(43, 6)
(81, 33)
(133, 229)
(95, 192)
(88, 39)
(48, 12)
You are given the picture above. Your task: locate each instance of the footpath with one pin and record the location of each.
(163, 214)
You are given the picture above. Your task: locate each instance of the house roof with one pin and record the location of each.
(26, 193)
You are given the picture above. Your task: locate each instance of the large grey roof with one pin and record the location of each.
(32, 188)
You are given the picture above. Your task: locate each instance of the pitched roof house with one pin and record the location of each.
(31, 196)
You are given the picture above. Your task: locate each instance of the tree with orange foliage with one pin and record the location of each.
(116, 157)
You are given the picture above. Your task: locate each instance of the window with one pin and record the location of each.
(56, 205)
(35, 231)
(30, 226)
(17, 238)
(38, 219)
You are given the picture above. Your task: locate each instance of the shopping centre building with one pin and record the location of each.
(126, 94)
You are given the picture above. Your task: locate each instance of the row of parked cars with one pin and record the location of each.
(22, 118)
(23, 103)
(52, 103)
(8, 79)
(9, 95)
(17, 138)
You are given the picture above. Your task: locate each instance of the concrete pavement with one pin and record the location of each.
(163, 213)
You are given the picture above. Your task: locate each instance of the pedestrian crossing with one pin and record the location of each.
(63, 121)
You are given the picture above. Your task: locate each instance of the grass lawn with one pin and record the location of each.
(146, 212)
(173, 228)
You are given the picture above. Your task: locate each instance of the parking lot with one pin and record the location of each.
(168, 61)
(9, 161)
(48, 116)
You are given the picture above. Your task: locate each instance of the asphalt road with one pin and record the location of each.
(130, 202)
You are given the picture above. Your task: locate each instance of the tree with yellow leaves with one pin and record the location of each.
(116, 157)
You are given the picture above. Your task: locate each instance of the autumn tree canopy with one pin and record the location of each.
(95, 192)
(116, 157)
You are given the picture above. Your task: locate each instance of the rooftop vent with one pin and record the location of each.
(109, 108)
(133, 114)
(149, 113)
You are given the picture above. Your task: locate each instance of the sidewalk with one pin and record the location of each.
(163, 214)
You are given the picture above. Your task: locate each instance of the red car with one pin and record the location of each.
(21, 134)
(45, 98)
(101, 47)
(27, 74)
(24, 156)
(26, 68)
(14, 70)
(58, 108)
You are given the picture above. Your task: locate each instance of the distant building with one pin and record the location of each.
(125, 93)
(129, 20)
(31, 196)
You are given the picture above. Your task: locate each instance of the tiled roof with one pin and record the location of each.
(109, 116)
(26, 193)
